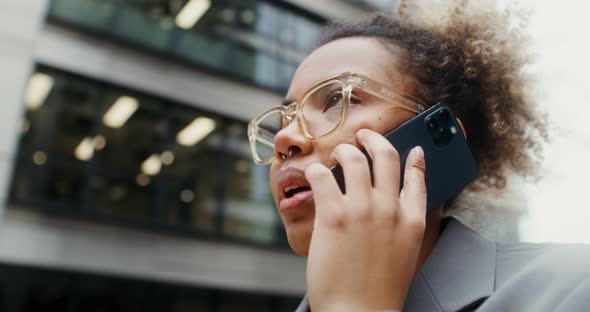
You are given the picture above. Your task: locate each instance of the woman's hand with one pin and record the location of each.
(365, 243)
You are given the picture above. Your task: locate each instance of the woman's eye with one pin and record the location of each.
(333, 100)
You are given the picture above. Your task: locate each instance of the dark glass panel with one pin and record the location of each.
(203, 49)
(247, 39)
(184, 299)
(144, 23)
(90, 13)
(33, 290)
(118, 186)
(240, 302)
(49, 186)
(48, 168)
(288, 304)
(102, 294)
(191, 179)
(26, 289)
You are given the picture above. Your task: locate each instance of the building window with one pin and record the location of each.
(99, 151)
(24, 289)
(258, 41)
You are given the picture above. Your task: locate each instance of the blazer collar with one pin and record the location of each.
(459, 272)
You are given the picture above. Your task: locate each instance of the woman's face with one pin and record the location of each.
(361, 55)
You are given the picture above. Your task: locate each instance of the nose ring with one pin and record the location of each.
(289, 154)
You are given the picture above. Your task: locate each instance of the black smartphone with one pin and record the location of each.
(450, 164)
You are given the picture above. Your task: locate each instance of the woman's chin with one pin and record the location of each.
(299, 235)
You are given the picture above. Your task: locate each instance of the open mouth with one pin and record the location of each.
(290, 191)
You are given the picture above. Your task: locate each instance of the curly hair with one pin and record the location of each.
(473, 61)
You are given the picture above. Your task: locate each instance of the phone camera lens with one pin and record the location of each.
(432, 123)
(445, 134)
(445, 115)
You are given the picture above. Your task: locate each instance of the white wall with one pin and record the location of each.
(558, 204)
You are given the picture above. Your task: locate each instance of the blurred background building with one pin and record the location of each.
(124, 163)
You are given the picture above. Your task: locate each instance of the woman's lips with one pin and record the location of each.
(297, 200)
(294, 189)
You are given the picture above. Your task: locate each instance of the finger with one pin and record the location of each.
(413, 194)
(324, 188)
(357, 176)
(386, 164)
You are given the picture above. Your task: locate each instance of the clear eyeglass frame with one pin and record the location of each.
(289, 113)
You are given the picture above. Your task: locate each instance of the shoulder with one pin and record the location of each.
(548, 260)
(553, 277)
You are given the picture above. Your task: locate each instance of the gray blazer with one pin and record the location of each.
(467, 272)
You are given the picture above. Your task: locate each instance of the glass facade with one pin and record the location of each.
(372, 5)
(24, 289)
(98, 151)
(257, 41)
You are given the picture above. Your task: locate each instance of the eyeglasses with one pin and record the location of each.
(321, 111)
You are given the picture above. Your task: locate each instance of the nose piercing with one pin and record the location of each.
(289, 154)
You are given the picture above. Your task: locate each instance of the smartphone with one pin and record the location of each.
(450, 164)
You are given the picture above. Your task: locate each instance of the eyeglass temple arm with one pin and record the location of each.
(385, 93)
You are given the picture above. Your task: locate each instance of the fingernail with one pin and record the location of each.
(417, 152)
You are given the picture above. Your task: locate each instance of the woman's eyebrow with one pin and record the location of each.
(287, 102)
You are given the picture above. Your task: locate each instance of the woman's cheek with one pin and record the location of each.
(274, 170)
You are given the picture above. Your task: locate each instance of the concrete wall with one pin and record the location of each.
(41, 240)
(20, 23)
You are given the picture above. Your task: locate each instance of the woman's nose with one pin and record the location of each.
(291, 141)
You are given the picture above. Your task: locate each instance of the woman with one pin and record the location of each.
(374, 248)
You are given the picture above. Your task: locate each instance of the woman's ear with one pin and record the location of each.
(462, 127)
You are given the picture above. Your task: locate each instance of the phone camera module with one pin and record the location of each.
(432, 123)
(440, 127)
(445, 135)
